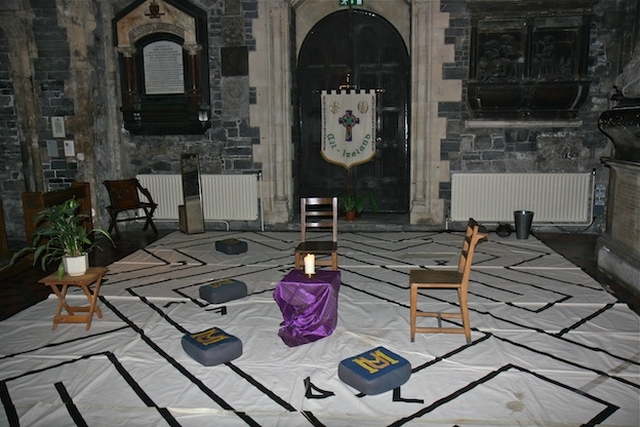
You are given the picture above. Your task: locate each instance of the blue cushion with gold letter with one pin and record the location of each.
(374, 371)
(212, 347)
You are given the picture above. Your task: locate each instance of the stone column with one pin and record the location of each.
(79, 20)
(270, 74)
(428, 54)
(17, 25)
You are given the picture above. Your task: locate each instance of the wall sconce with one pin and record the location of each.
(203, 116)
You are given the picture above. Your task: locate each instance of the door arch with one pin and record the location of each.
(374, 52)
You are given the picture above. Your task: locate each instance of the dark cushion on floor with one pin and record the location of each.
(212, 346)
(231, 246)
(223, 291)
(374, 371)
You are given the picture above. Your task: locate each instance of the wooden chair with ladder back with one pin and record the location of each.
(318, 214)
(457, 280)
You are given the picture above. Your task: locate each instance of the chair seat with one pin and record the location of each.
(140, 205)
(323, 247)
(443, 278)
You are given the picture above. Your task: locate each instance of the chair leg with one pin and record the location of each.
(334, 261)
(114, 224)
(413, 306)
(149, 221)
(297, 260)
(464, 312)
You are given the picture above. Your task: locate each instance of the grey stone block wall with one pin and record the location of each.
(12, 182)
(532, 148)
(227, 146)
(51, 70)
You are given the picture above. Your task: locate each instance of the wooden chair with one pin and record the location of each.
(320, 213)
(124, 195)
(447, 279)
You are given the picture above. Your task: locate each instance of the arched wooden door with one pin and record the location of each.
(374, 51)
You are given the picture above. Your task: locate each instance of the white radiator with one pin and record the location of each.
(224, 197)
(558, 198)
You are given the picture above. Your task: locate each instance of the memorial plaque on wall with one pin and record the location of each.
(163, 68)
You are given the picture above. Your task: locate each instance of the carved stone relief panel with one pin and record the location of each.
(527, 63)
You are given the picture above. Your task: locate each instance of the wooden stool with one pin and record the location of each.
(59, 287)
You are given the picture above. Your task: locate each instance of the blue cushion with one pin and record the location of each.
(374, 371)
(212, 347)
(231, 246)
(223, 291)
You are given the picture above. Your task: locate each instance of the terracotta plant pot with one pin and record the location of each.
(351, 216)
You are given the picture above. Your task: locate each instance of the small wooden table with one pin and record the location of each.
(59, 287)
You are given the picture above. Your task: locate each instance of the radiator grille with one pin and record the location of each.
(554, 198)
(224, 197)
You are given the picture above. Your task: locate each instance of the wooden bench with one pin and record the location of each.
(34, 202)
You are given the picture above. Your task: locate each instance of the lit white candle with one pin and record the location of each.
(310, 264)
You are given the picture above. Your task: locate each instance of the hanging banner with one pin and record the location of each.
(348, 126)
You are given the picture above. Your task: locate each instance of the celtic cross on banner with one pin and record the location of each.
(348, 121)
(338, 118)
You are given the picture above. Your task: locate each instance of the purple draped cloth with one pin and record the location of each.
(309, 306)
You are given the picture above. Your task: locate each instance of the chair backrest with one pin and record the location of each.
(319, 213)
(123, 193)
(471, 238)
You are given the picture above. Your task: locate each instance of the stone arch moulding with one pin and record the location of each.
(162, 47)
(425, 29)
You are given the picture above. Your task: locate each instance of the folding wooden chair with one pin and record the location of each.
(124, 195)
(320, 214)
(447, 279)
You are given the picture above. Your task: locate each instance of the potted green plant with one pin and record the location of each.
(353, 204)
(61, 237)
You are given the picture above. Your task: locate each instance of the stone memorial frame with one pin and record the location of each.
(526, 62)
(164, 72)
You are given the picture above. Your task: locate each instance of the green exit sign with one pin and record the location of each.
(350, 2)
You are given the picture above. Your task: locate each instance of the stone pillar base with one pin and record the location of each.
(619, 262)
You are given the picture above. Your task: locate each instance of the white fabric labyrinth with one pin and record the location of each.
(549, 345)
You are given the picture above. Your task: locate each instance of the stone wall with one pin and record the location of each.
(57, 58)
(51, 69)
(46, 42)
(12, 182)
(527, 146)
(227, 146)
